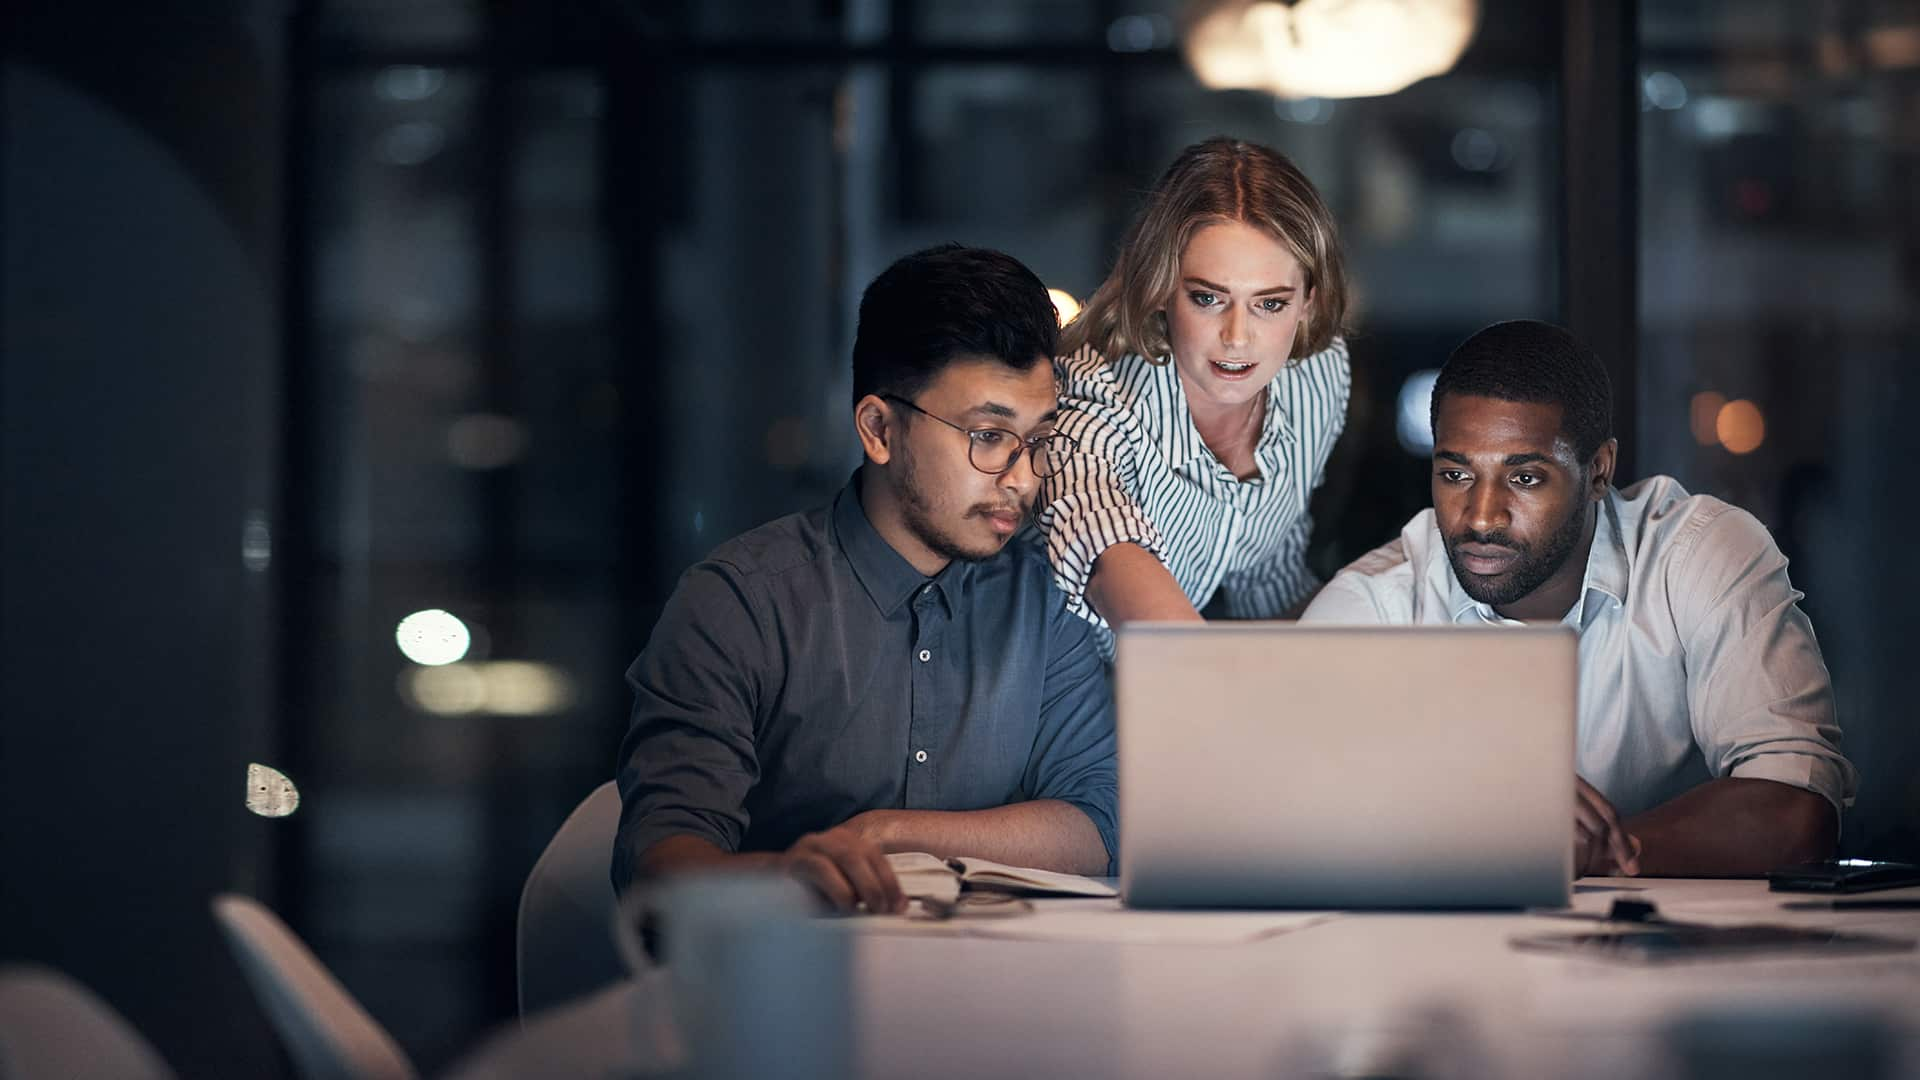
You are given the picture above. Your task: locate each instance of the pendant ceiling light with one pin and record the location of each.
(1326, 48)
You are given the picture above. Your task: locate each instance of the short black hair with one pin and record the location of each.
(935, 306)
(1535, 362)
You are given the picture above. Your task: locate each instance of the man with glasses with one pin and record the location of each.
(893, 671)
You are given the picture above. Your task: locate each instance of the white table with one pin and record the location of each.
(1356, 994)
(1359, 992)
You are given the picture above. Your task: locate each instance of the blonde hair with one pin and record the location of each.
(1212, 182)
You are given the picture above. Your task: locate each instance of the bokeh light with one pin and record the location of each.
(269, 792)
(432, 637)
(1703, 416)
(488, 688)
(1326, 48)
(1740, 426)
(1064, 305)
(1663, 90)
(447, 690)
(1413, 416)
(524, 688)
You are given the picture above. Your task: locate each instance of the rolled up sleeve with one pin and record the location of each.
(1090, 504)
(1073, 756)
(688, 759)
(1761, 701)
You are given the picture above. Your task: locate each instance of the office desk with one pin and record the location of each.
(1353, 994)
(1367, 994)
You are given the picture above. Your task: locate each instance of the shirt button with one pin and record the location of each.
(920, 756)
(925, 655)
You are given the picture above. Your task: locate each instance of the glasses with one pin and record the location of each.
(994, 450)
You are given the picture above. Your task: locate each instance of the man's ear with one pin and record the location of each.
(874, 421)
(1600, 470)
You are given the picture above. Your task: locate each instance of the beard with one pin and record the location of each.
(1528, 572)
(918, 513)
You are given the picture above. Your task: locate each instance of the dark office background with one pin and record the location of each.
(319, 314)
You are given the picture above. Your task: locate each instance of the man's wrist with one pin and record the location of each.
(879, 826)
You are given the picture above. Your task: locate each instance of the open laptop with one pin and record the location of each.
(1279, 765)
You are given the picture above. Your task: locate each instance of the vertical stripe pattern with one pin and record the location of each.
(1142, 474)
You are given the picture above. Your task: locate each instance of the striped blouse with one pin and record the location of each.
(1142, 474)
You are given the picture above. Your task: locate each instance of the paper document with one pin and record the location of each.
(1100, 921)
(1106, 921)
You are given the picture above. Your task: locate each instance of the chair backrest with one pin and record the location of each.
(50, 1025)
(325, 1031)
(565, 934)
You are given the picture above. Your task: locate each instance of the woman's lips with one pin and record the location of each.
(1231, 370)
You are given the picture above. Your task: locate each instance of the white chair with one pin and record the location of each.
(564, 944)
(605, 1034)
(325, 1031)
(51, 1026)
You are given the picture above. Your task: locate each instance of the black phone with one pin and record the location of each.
(1843, 876)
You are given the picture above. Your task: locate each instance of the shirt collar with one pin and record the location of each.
(1465, 608)
(1606, 573)
(1607, 567)
(888, 578)
(1179, 437)
(1173, 426)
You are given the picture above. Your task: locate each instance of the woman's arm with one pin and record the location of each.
(1099, 538)
(1130, 584)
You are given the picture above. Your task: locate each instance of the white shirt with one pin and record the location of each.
(1696, 661)
(1142, 474)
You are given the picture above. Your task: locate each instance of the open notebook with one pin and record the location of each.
(929, 876)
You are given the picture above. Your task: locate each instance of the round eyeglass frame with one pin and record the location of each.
(1027, 446)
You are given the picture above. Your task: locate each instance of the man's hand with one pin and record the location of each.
(847, 868)
(1045, 833)
(1601, 845)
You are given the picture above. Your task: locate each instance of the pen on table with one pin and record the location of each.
(1911, 903)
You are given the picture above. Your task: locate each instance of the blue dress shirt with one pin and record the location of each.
(805, 672)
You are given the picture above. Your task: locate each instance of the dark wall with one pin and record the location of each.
(138, 298)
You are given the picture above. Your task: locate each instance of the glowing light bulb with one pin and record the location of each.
(1328, 48)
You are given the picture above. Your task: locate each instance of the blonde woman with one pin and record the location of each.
(1205, 383)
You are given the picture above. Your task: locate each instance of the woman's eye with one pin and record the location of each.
(1273, 305)
(1204, 299)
